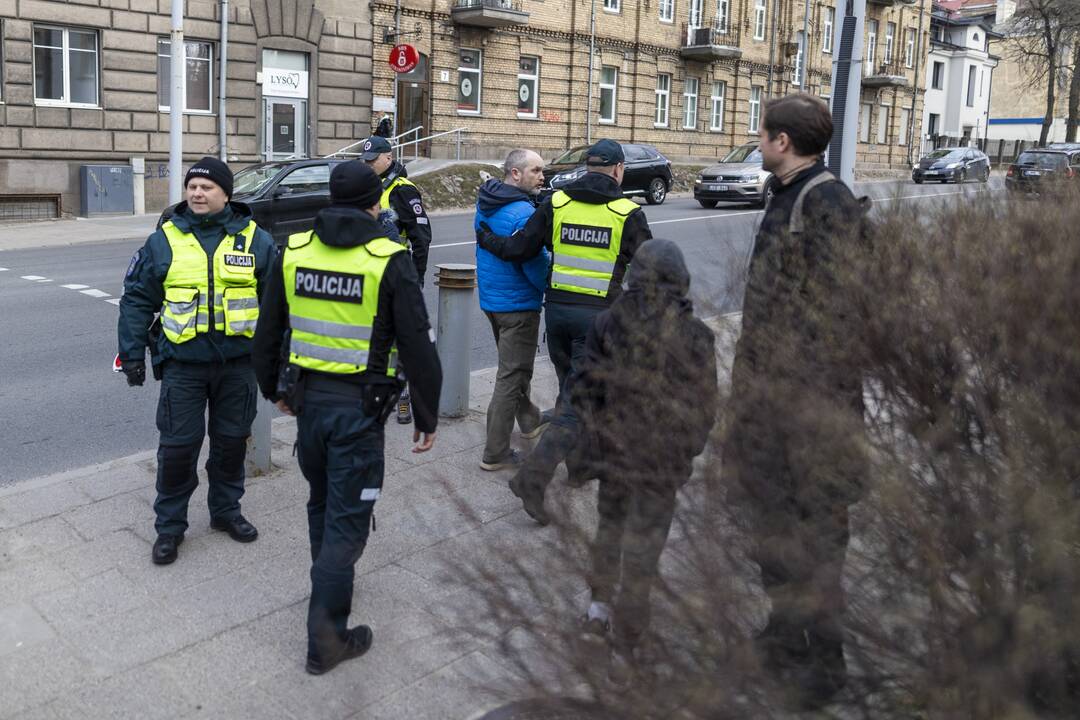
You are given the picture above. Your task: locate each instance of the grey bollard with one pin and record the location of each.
(454, 340)
(257, 461)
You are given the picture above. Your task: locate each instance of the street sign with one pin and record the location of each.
(404, 58)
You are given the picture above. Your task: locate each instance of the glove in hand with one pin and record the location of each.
(135, 370)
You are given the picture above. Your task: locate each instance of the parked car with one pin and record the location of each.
(738, 177)
(1037, 172)
(284, 196)
(648, 173)
(952, 165)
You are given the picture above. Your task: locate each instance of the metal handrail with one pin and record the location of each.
(711, 34)
(458, 131)
(344, 150)
(416, 130)
(492, 4)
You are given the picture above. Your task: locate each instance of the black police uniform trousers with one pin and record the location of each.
(340, 449)
(567, 327)
(229, 391)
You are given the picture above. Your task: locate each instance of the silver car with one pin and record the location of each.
(739, 178)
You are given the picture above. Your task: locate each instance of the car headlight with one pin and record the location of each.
(566, 177)
(750, 178)
(952, 166)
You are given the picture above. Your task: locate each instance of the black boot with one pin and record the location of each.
(164, 552)
(357, 642)
(531, 499)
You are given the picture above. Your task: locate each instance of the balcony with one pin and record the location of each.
(890, 74)
(890, 3)
(488, 13)
(707, 44)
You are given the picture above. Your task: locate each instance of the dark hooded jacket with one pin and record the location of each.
(401, 317)
(406, 213)
(144, 290)
(594, 188)
(647, 390)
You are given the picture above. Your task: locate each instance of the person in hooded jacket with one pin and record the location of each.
(402, 212)
(648, 363)
(343, 301)
(593, 232)
(203, 270)
(511, 294)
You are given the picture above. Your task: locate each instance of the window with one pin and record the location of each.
(609, 77)
(871, 45)
(759, 19)
(864, 123)
(755, 108)
(827, 31)
(611, 5)
(796, 73)
(723, 15)
(909, 47)
(663, 94)
(716, 106)
(695, 13)
(690, 95)
(938, 75)
(469, 77)
(932, 124)
(667, 10)
(971, 86)
(65, 66)
(198, 75)
(982, 81)
(883, 125)
(528, 86)
(312, 179)
(890, 38)
(905, 120)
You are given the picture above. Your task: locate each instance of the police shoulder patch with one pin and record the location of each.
(133, 264)
(417, 206)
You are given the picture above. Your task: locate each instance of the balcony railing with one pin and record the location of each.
(714, 42)
(890, 74)
(488, 13)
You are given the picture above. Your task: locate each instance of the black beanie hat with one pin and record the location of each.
(354, 183)
(214, 170)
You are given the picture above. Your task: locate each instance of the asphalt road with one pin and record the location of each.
(62, 407)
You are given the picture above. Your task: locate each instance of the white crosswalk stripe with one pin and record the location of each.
(36, 278)
(3, 269)
(113, 301)
(75, 286)
(95, 293)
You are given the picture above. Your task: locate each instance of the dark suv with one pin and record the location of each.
(1040, 171)
(284, 196)
(648, 173)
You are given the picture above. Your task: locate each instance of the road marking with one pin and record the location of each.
(3, 269)
(470, 242)
(113, 301)
(75, 287)
(707, 217)
(35, 278)
(95, 293)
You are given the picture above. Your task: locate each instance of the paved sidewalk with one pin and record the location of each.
(90, 628)
(75, 231)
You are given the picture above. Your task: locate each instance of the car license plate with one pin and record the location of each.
(718, 188)
(1032, 173)
(931, 172)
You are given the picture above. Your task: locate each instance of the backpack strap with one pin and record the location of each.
(797, 225)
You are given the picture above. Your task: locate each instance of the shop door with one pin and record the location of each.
(413, 105)
(286, 123)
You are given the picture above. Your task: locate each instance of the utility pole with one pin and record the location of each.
(176, 104)
(847, 74)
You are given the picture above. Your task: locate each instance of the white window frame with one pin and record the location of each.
(871, 45)
(883, 125)
(65, 50)
(866, 111)
(662, 108)
(690, 102)
(723, 16)
(2, 59)
(755, 108)
(909, 47)
(667, 11)
(800, 42)
(522, 75)
(759, 19)
(969, 90)
(827, 30)
(890, 41)
(186, 111)
(478, 71)
(614, 88)
(612, 6)
(937, 82)
(716, 106)
(905, 120)
(695, 13)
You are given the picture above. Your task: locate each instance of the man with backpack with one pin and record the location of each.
(793, 452)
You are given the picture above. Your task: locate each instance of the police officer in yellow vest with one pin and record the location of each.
(342, 303)
(403, 215)
(592, 231)
(203, 271)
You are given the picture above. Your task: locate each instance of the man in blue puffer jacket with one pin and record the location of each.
(511, 294)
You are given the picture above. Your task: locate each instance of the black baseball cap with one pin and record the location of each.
(604, 153)
(375, 146)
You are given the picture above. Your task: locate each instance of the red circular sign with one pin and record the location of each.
(404, 58)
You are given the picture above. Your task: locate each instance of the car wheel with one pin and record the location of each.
(961, 177)
(985, 175)
(657, 192)
(767, 194)
(918, 181)
(709, 204)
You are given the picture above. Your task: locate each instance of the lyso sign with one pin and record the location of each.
(285, 83)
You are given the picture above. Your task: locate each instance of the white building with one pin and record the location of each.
(959, 72)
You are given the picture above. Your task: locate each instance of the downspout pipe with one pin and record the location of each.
(592, 53)
(176, 103)
(772, 45)
(223, 151)
(805, 45)
(915, 86)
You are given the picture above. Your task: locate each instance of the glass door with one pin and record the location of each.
(286, 122)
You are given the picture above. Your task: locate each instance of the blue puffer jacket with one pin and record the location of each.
(508, 286)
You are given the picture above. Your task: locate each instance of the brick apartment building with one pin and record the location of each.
(87, 82)
(688, 76)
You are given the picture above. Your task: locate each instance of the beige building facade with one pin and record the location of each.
(688, 76)
(87, 82)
